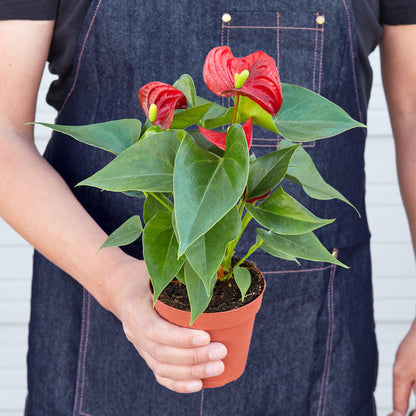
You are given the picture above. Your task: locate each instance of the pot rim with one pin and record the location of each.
(212, 320)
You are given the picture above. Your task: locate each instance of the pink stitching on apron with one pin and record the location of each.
(80, 57)
(322, 55)
(353, 60)
(328, 355)
(314, 57)
(277, 41)
(201, 410)
(85, 357)
(275, 27)
(81, 345)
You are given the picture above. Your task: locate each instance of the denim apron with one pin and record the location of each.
(313, 350)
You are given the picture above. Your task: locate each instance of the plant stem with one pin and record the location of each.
(160, 200)
(226, 263)
(251, 250)
(237, 100)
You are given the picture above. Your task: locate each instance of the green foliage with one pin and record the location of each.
(206, 253)
(303, 246)
(113, 136)
(128, 232)
(306, 116)
(146, 166)
(197, 294)
(242, 277)
(206, 186)
(267, 171)
(303, 171)
(160, 250)
(196, 194)
(284, 215)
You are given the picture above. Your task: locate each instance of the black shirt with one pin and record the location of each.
(370, 15)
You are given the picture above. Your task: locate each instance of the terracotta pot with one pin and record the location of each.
(232, 328)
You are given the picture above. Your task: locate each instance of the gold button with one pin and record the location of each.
(320, 20)
(226, 17)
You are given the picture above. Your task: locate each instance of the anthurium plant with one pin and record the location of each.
(191, 162)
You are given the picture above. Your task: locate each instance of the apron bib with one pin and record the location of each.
(313, 350)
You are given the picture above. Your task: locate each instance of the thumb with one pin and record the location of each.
(401, 393)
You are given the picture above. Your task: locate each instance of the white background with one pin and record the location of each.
(393, 262)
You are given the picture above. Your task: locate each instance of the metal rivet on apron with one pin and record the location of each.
(320, 20)
(226, 17)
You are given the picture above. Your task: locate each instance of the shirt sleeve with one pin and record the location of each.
(28, 9)
(398, 12)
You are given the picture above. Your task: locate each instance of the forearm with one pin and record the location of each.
(404, 127)
(38, 204)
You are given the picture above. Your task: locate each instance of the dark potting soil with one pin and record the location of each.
(227, 295)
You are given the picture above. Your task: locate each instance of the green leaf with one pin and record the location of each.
(284, 215)
(306, 116)
(135, 194)
(220, 117)
(198, 298)
(145, 166)
(113, 136)
(152, 206)
(160, 250)
(206, 253)
(202, 142)
(186, 84)
(189, 116)
(243, 279)
(128, 232)
(206, 186)
(304, 246)
(303, 171)
(274, 252)
(248, 108)
(181, 275)
(267, 171)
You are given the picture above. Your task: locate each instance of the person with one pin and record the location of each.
(319, 354)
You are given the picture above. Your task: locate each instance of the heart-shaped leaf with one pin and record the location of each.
(267, 171)
(303, 171)
(243, 279)
(284, 215)
(185, 118)
(206, 253)
(221, 118)
(128, 232)
(152, 206)
(270, 249)
(160, 250)
(113, 136)
(145, 166)
(186, 84)
(306, 116)
(206, 186)
(198, 298)
(303, 246)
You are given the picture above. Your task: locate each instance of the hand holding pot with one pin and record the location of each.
(404, 372)
(179, 357)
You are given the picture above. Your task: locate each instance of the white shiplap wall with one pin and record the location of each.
(393, 260)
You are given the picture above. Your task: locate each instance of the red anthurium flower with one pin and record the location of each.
(254, 76)
(159, 100)
(218, 138)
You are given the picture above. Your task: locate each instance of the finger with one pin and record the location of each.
(163, 332)
(186, 356)
(184, 372)
(401, 391)
(191, 386)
